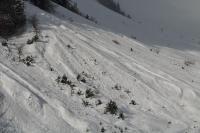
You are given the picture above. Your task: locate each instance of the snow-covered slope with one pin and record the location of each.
(156, 88)
(171, 23)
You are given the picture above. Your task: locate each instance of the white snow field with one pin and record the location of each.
(171, 23)
(155, 87)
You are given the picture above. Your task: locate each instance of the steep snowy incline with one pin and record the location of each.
(171, 23)
(64, 82)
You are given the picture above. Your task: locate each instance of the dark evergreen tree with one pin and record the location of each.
(11, 16)
(43, 4)
(18, 12)
(112, 5)
(69, 5)
(64, 3)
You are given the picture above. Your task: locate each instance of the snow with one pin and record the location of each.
(174, 23)
(162, 80)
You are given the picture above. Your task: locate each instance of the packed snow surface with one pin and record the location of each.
(156, 88)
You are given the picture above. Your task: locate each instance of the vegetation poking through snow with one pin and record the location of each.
(116, 42)
(91, 18)
(20, 52)
(134, 37)
(32, 40)
(117, 87)
(81, 78)
(89, 93)
(79, 93)
(121, 116)
(133, 102)
(36, 30)
(103, 129)
(4, 43)
(98, 102)
(85, 103)
(111, 108)
(64, 80)
(34, 22)
(29, 60)
(113, 67)
(189, 62)
(131, 49)
(155, 50)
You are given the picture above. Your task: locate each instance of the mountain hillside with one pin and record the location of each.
(171, 23)
(67, 74)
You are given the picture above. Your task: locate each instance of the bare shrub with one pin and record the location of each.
(133, 102)
(34, 22)
(65, 81)
(116, 42)
(189, 62)
(81, 78)
(29, 60)
(89, 93)
(111, 107)
(117, 87)
(121, 116)
(85, 103)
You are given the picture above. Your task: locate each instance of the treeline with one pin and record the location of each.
(48, 6)
(114, 6)
(12, 16)
(68, 4)
(43, 4)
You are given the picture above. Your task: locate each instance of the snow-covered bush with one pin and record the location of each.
(11, 16)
